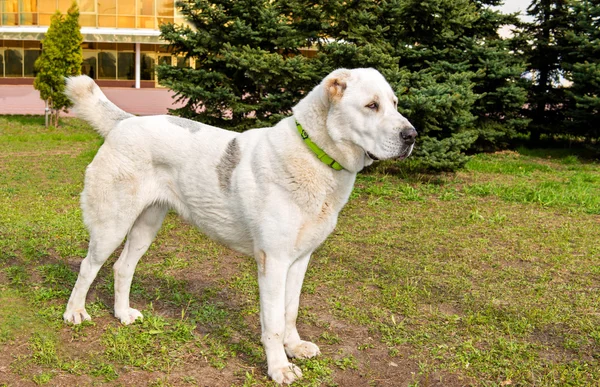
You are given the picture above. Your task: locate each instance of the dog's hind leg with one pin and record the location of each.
(139, 239)
(294, 346)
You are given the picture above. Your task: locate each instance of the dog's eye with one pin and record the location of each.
(373, 106)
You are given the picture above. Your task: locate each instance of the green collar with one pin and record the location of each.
(321, 155)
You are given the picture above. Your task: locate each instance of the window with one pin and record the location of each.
(147, 67)
(126, 64)
(10, 19)
(107, 65)
(87, 20)
(126, 21)
(166, 8)
(28, 13)
(9, 10)
(126, 7)
(29, 5)
(145, 22)
(183, 61)
(47, 6)
(107, 7)
(1, 62)
(45, 19)
(29, 62)
(146, 7)
(107, 13)
(107, 21)
(87, 6)
(13, 66)
(89, 64)
(165, 60)
(63, 5)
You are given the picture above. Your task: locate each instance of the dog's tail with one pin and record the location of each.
(90, 104)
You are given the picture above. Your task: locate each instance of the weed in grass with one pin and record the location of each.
(251, 350)
(74, 367)
(50, 314)
(475, 215)
(346, 363)
(43, 350)
(498, 218)
(190, 380)
(17, 275)
(365, 346)
(217, 352)
(152, 344)
(409, 193)
(43, 378)
(330, 338)
(57, 275)
(104, 371)
(6, 335)
(317, 372)
(182, 331)
(209, 314)
(449, 194)
(160, 382)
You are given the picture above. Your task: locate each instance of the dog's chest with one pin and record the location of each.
(319, 224)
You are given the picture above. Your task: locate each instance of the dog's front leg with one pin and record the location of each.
(294, 346)
(272, 274)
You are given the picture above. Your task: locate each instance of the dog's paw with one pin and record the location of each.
(76, 316)
(286, 374)
(128, 316)
(302, 350)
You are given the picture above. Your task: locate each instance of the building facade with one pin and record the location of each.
(121, 39)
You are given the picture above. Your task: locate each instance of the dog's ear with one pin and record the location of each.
(335, 84)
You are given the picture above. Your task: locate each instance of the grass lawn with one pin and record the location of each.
(486, 277)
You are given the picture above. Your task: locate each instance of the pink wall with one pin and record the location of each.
(24, 99)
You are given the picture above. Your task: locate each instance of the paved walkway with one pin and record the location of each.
(26, 100)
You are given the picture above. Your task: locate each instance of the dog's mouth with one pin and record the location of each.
(372, 156)
(406, 151)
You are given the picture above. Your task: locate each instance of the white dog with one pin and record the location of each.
(273, 193)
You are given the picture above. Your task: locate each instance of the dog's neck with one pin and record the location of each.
(311, 112)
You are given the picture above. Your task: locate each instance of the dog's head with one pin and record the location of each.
(363, 110)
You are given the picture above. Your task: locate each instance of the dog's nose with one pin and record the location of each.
(408, 134)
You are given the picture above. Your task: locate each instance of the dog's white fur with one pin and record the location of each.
(261, 192)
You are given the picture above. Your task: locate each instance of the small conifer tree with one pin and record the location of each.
(61, 56)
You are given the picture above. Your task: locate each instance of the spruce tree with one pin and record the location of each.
(544, 53)
(248, 71)
(61, 57)
(499, 86)
(436, 89)
(582, 67)
(455, 78)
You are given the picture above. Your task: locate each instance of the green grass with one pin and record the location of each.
(486, 277)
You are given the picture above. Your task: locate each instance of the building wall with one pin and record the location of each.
(110, 29)
(145, 14)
